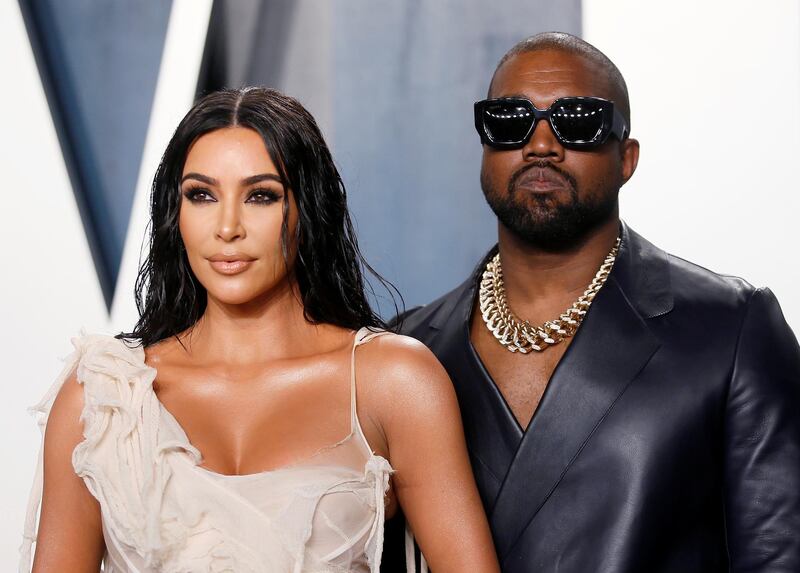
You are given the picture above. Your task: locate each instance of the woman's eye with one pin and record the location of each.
(263, 196)
(196, 195)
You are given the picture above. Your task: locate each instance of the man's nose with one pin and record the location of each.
(543, 143)
(229, 224)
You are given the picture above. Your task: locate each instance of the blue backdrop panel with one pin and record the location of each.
(405, 76)
(99, 63)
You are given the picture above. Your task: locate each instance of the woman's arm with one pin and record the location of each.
(417, 411)
(70, 537)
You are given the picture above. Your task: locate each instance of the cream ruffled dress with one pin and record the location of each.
(162, 512)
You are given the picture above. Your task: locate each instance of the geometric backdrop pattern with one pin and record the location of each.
(99, 65)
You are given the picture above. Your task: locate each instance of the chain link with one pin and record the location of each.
(521, 336)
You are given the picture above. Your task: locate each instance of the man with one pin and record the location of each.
(653, 427)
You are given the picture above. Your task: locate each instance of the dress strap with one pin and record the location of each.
(363, 336)
(411, 557)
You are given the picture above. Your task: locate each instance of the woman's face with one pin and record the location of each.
(231, 215)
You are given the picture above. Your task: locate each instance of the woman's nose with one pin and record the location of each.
(229, 225)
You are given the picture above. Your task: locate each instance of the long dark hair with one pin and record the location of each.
(328, 265)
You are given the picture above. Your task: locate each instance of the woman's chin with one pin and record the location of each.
(244, 295)
(244, 290)
(236, 296)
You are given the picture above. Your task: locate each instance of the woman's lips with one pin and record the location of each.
(231, 266)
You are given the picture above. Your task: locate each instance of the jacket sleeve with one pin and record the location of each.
(762, 444)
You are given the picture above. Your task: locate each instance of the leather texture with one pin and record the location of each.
(667, 440)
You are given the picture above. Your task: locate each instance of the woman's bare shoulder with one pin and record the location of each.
(400, 352)
(395, 368)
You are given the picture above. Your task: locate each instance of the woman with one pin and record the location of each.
(253, 418)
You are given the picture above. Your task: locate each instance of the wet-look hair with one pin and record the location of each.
(328, 267)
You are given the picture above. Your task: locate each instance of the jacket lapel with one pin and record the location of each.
(611, 347)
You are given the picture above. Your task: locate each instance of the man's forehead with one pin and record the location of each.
(549, 71)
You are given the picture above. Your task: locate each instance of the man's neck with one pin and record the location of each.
(537, 281)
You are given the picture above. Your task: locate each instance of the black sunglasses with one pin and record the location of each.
(578, 122)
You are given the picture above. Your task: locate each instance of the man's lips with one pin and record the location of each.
(230, 264)
(542, 180)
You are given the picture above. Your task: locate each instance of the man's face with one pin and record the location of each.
(544, 193)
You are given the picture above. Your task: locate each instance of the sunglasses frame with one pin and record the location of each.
(613, 122)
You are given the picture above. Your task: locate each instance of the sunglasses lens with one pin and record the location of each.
(507, 122)
(578, 121)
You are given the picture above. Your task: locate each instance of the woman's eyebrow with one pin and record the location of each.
(199, 177)
(246, 181)
(262, 177)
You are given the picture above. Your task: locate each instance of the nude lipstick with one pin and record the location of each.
(230, 263)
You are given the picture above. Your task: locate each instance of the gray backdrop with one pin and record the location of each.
(390, 82)
(406, 76)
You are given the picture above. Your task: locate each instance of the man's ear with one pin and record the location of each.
(630, 158)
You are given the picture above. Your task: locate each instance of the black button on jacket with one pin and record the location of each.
(667, 440)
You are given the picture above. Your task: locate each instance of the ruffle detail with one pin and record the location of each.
(377, 471)
(121, 459)
(160, 513)
(128, 466)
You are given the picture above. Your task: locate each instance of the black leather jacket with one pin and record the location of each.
(668, 438)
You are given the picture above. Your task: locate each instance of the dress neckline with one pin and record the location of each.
(292, 466)
(359, 336)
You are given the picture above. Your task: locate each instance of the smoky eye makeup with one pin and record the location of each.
(198, 195)
(258, 196)
(263, 196)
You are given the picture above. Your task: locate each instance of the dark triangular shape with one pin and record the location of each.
(245, 44)
(99, 65)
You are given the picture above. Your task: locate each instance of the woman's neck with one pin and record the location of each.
(270, 327)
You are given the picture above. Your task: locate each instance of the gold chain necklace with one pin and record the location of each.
(520, 336)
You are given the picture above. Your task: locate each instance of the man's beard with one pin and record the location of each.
(540, 220)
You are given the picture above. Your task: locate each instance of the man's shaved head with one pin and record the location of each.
(567, 43)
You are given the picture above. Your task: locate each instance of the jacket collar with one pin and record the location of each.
(642, 273)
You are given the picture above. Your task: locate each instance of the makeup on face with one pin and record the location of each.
(232, 215)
